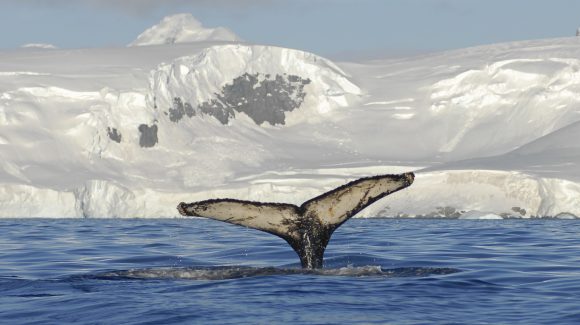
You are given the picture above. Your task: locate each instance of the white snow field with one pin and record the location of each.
(491, 131)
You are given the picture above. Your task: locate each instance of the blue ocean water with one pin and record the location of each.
(377, 271)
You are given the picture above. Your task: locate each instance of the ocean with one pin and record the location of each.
(377, 271)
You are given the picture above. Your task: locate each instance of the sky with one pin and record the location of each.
(334, 28)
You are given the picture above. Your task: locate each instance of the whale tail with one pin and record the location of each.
(307, 228)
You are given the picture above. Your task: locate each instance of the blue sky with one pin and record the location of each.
(328, 27)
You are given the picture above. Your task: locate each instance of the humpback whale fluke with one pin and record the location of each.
(306, 228)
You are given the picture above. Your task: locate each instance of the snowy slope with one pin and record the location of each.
(541, 178)
(182, 28)
(479, 101)
(130, 132)
(554, 155)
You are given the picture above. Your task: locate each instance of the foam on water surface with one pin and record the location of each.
(235, 272)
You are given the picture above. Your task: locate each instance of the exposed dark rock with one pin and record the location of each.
(519, 210)
(114, 134)
(148, 137)
(264, 98)
(448, 212)
(218, 110)
(179, 110)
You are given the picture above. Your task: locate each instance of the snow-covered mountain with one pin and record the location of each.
(182, 28)
(130, 132)
(264, 83)
(39, 46)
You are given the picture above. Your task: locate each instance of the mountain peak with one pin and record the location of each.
(182, 28)
(45, 46)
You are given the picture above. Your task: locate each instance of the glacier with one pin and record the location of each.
(490, 131)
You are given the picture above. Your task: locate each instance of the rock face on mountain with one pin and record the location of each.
(182, 28)
(263, 82)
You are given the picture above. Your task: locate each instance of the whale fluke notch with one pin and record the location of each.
(307, 228)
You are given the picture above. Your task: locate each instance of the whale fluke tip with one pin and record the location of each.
(181, 209)
(410, 177)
